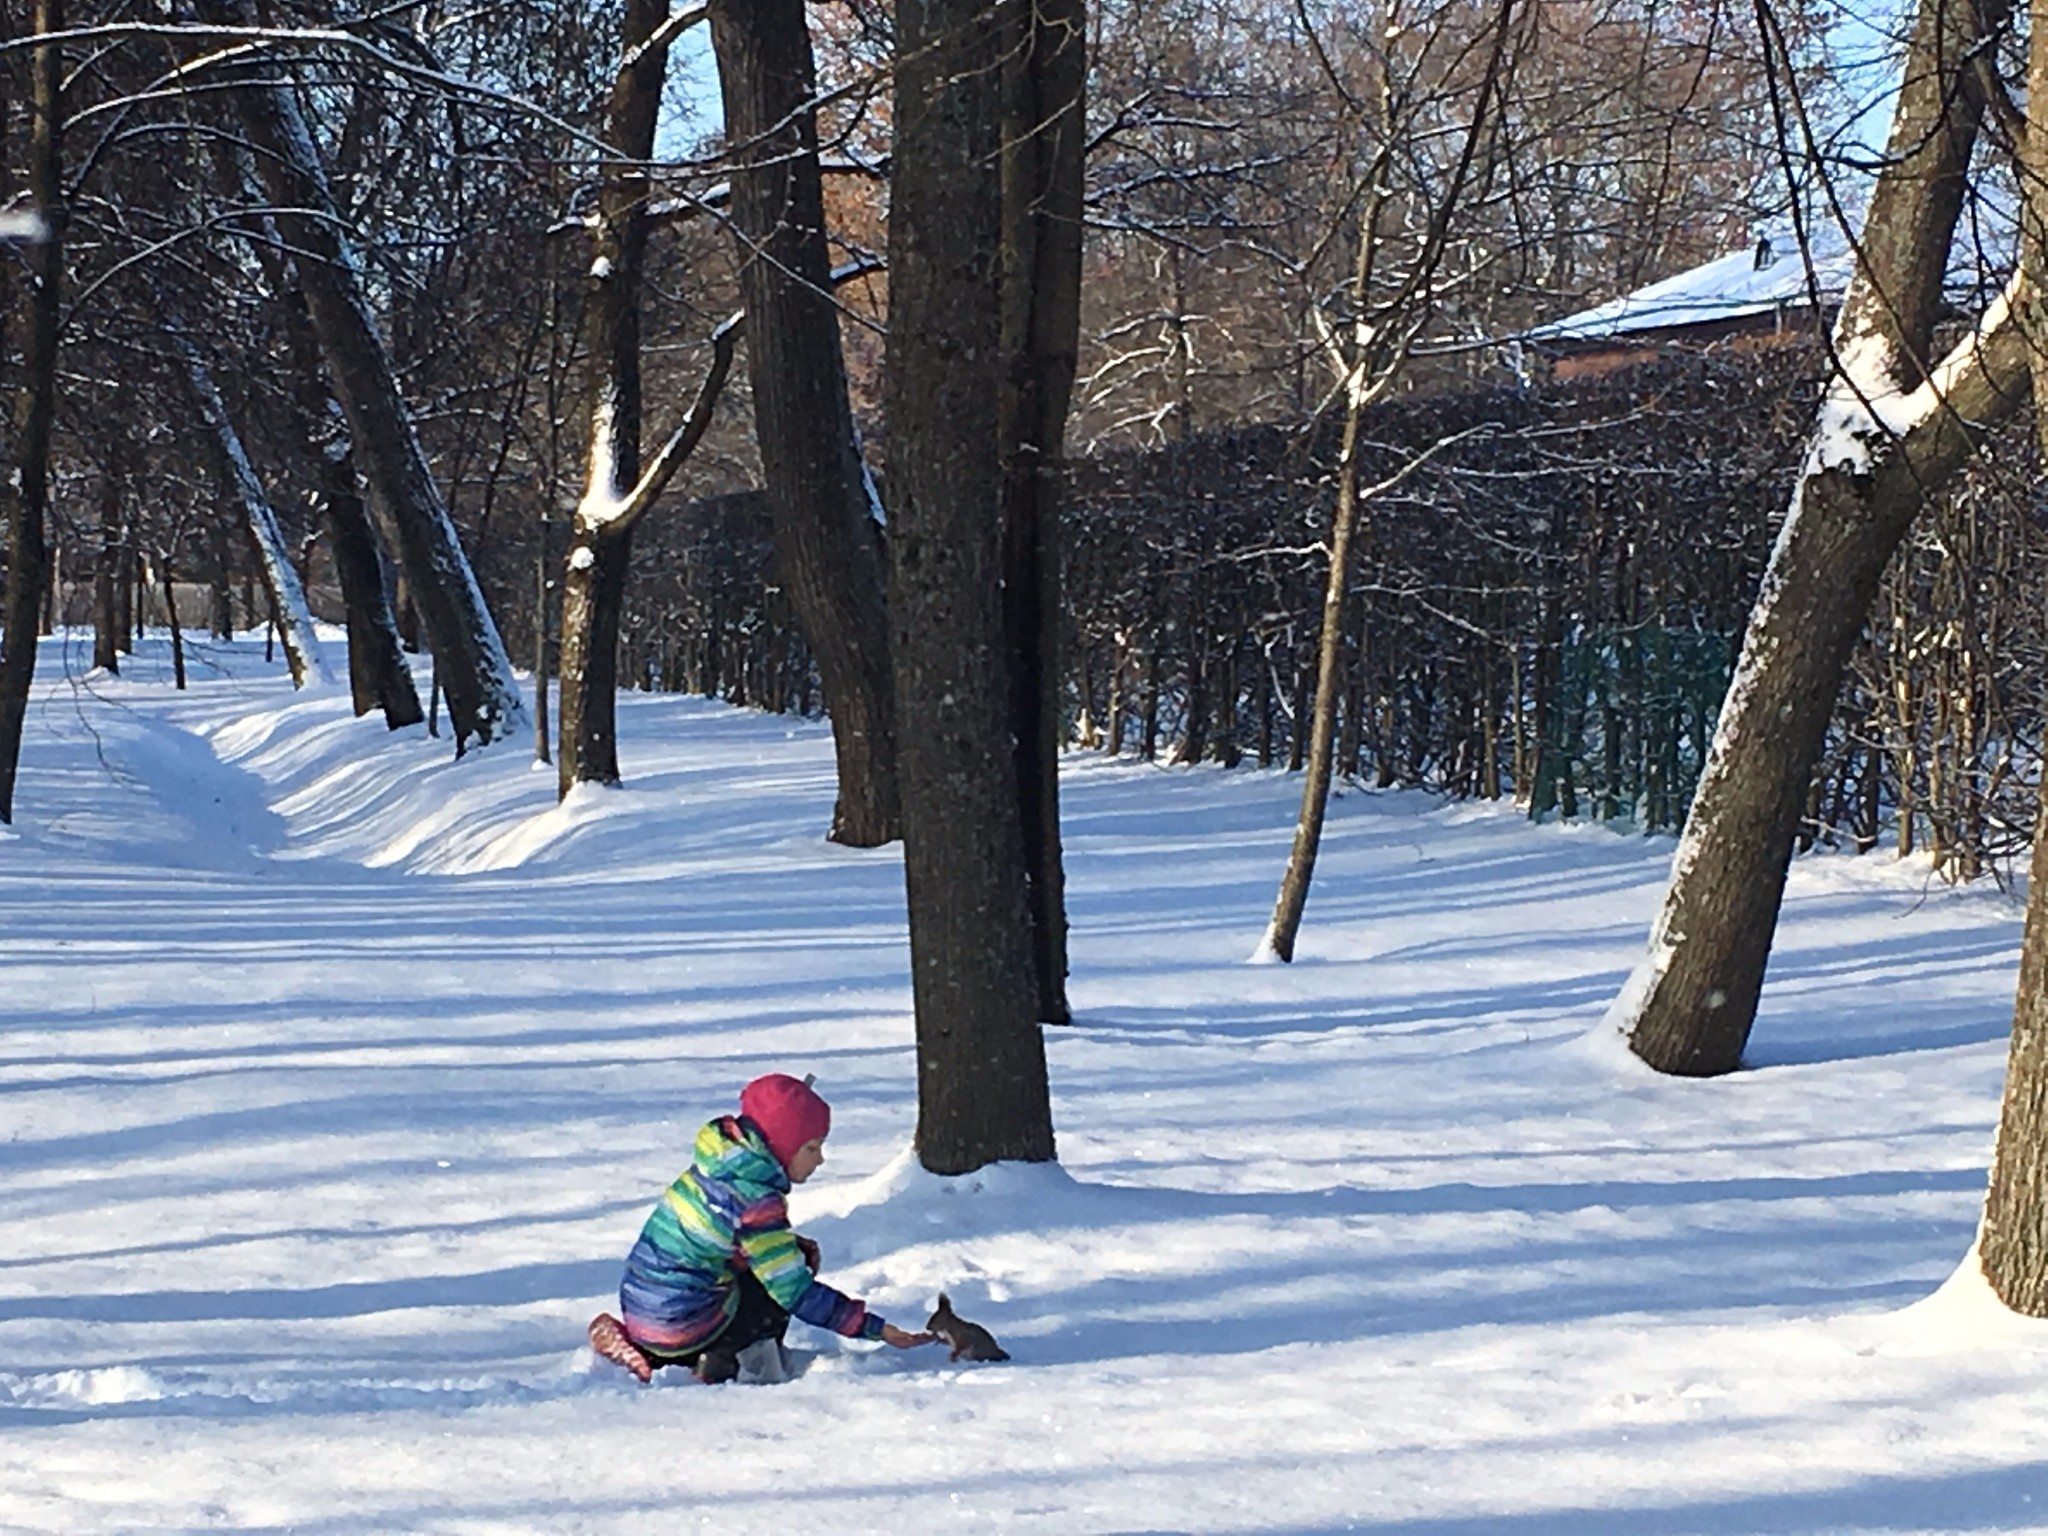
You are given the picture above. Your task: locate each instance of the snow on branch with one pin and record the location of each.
(1866, 409)
(604, 506)
(677, 23)
(24, 228)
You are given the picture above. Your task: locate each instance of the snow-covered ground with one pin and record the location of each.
(336, 1078)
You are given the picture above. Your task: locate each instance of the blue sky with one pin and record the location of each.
(1867, 53)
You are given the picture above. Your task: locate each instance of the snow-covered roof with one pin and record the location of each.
(1753, 281)
(1771, 272)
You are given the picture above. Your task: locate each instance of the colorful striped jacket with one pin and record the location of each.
(725, 1215)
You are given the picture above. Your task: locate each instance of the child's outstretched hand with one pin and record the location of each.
(902, 1339)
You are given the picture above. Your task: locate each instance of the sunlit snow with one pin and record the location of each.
(337, 1077)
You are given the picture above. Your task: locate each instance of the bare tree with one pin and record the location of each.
(828, 547)
(280, 577)
(27, 488)
(1393, 299)
(601, 531)
(619, 489)
(379, 677)
(1045, 72)
(1895, 424)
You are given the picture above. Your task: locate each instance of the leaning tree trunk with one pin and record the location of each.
(1045, 75)
(1292, 900)
(1891, 430)
(982, 1089)
(302, 649)
(828, 551)
(27, 489)
(378, 675)
(2012, 1244)
(484, 701)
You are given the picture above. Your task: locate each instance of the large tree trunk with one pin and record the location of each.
(593, 600)
(1045, 75)
(27, 489)
(1890, 432)
(484, 701)
(982, 1089)
(827, 548)
(377, 672)
(2012, 1244)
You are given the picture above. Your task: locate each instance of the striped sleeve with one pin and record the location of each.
(768, 1245)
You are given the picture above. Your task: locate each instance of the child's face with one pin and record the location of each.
(809, 1158)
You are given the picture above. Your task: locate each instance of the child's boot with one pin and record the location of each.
(608, 1338)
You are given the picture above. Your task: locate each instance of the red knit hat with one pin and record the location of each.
(788, 1111)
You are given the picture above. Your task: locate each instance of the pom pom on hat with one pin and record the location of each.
(789, 1112)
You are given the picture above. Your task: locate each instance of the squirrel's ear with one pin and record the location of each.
(945, 1302)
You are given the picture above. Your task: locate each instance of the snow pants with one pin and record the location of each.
(759, 1317)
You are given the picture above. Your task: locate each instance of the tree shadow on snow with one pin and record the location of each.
(2003, 1499)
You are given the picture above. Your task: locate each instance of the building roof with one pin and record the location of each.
(1755, 281)
(1771, 274)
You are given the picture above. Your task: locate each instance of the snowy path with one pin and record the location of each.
(335, 1078)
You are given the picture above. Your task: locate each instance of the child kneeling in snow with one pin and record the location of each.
(717, 1273)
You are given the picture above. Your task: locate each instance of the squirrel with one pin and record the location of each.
(969, 1340)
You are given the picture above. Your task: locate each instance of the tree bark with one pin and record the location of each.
(106, 574)
(982, 1088)
(484, 701)
(2012, 1243)
(27, 489)
(168, 578)
(828, 550)
(377, 672)
(1690, 1006)
(600, 539)
(1045, 72)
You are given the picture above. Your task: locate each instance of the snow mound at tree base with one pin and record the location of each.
(1964, 1314)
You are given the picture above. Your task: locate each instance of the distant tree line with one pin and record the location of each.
(1545, 608)
(1548, 605)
